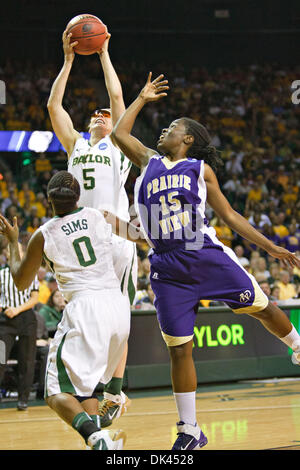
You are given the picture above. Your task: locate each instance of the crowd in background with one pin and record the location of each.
(251, 119)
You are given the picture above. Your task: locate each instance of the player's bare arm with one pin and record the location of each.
(61, 121)
(130, 145)
(238, 223)
(23, 269)
(123, 229)
(112, 82)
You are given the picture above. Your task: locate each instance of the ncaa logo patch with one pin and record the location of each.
(245, 296)
(103, 146)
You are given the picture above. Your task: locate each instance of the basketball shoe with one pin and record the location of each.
(107, 440)
(296, 353)
(189, 437)
(112, 407)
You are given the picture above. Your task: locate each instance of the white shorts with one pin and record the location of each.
(125, 265)
(88, 343)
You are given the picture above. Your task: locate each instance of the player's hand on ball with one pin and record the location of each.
(286, 256)
(11, 232)
(68, 46)
(104, 47)
(154, 90)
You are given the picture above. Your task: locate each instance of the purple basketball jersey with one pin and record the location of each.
(188, 262)
(170, 200)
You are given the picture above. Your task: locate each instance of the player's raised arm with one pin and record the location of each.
(23, 270)
(112, 82)
(239, 224)
(61, 121)
(132, 147)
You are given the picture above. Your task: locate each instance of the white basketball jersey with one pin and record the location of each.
(78, 249)
(101, 170)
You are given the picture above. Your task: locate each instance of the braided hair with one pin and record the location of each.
(63, 191)
(201, 148)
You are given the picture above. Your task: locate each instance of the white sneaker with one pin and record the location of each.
(107, 440)
(296, 353)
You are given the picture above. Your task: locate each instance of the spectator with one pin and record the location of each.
(287, 290)
(261, 268)
(51, 282)
(279, 225)
(274, 273)
(44, 291)
(275, 291)
(265, 286)
(239, 251)
(224, 233)
(42, 164)
(141, 292)
(40, 203)
(52, 311)
(292, 241)
(26, 194)
(147, 302)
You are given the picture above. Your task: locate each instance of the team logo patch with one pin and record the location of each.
(103, 146)
(155, 276)
(245, 296)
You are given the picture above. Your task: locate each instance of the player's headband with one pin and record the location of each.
(105, 113)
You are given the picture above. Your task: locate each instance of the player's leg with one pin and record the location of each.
(68, 408)
(277, 323)
(79, 357)
(176, 304)
(244, 295)
(183, 372)
(115, 403)
(184, 385)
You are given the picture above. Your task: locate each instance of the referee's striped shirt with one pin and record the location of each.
(10, 295)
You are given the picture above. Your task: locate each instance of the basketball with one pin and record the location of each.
(89, 31)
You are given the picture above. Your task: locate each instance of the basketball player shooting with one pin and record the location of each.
(90, 339)
(188, 262)
(101, 169)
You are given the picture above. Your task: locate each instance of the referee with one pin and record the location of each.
(18, 321)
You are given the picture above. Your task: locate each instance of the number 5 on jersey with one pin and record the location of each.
(88, 180)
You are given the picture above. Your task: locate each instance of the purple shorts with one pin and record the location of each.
(181, 278)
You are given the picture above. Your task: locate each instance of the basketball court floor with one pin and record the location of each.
(257, 415)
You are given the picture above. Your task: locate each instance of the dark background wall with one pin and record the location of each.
(182, 31)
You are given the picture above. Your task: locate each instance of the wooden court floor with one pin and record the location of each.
(250, 416)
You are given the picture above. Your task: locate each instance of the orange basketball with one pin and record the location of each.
(89, 31)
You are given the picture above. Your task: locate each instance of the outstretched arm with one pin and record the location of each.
(130, 146)
(60, 119)
(239, 224)
(122, 228)
(112, 82)
(23, 270)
